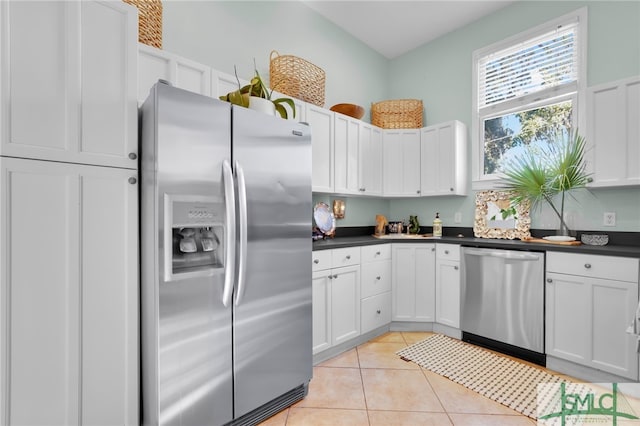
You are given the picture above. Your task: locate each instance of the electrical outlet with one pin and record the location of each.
(457, 218)
(609, 219)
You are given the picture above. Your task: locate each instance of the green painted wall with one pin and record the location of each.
(223, 33)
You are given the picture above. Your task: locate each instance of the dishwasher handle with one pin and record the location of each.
(502, 254)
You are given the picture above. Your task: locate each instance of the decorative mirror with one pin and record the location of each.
(498, 217)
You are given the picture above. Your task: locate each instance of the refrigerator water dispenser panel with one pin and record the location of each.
(194, 236)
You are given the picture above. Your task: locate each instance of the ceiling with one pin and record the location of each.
(393, 28)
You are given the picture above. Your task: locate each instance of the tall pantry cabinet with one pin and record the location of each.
(68, 213)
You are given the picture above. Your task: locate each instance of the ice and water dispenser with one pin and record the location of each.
(194, 236)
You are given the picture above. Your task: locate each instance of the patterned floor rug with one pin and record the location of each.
(499, 378)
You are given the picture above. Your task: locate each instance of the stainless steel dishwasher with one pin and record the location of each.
(503, 301)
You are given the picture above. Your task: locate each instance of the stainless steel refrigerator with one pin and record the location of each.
(225, 252)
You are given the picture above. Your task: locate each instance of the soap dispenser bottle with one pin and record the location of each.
(437, 226)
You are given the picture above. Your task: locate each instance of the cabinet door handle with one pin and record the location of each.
(378, 312)
(348, 256)
(418, 191)
(330, 277)
(377, 253)
(587, 265)
(451, 189)
(455, 267)
(433, 249)
(133, 156)
(132, 180)
(378, 278)
(549, 280)
(446, 252)
(316, 261)
(335, 276)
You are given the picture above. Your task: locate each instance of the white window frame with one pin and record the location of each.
(576, 92)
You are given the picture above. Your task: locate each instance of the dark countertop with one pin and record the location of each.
(364, 240)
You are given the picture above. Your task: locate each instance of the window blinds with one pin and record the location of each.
(539, 63)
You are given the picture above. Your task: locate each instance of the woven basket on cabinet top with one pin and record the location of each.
(149, 21)
(397, 114)
(296, 77)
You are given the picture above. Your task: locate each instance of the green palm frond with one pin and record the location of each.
(537, 176)
(527, 178)
(568, 171)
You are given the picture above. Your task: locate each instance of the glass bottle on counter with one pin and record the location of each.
(437, 226)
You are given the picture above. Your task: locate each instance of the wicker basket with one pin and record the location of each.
(397, 114)
(296, 77)
(149, 21)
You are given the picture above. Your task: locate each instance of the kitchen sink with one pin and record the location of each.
(405, 236)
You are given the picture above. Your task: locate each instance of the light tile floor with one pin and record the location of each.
(371, 386)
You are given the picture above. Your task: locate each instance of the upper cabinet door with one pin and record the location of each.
(321, 121)
(108, 66)
(613, 133)
(347, 158)
(444, 159)
(69, 82)
(401, 162)
(370, 160)
(155, 64)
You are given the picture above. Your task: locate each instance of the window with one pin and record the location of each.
(526, 89)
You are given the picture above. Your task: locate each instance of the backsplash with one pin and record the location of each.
(585, 212)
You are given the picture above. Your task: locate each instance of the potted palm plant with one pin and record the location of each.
(258, 92)
(548, 174)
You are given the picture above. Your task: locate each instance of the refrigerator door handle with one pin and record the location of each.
(230, 234)
(242, 232)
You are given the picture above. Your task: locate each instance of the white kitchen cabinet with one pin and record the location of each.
(447, 292)
(413, 282)
(443, 158)
(613, 133)
(375, 286)
(68, 294)
(321, 300)
(358, 157)
(401, 163)
(346, 159)
(336, 297)
(68, 78)
(590, 301)
(322, 143)
(370, 163)
(321, 310)
(345, 303)
(155, 64)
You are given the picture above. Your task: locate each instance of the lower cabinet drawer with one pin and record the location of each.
(375, 311)
(320, 259)
(375, 278)
(595, 266)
